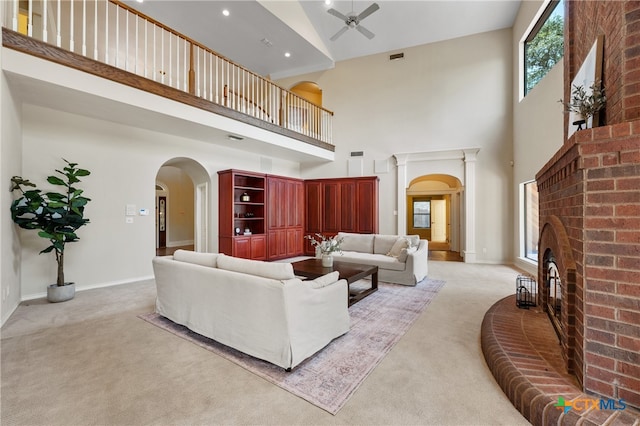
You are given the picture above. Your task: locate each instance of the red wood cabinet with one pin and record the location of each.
(241, 214)
(341, 205)
(285, 217)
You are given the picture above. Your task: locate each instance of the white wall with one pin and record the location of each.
(443, 96)
(10, 165)
(123, 161)
(537, 124)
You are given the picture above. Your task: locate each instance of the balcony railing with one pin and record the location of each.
(112, 33)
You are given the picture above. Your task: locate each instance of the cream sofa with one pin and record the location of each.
(400, 259)
(258, 308)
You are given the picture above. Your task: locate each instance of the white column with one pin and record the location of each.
(401, 204)
(470, 156)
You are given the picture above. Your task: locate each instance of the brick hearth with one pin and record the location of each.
(522, 351)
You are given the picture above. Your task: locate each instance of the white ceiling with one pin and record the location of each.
(304, 28)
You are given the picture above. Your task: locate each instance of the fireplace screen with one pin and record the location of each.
(554, 287)
(526, 291)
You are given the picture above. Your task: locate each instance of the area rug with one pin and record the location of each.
(331, 376)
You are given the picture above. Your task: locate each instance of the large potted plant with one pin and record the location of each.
(56, 216)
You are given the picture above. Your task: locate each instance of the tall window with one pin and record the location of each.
(544, 46)
(531, 224)
(422, 214)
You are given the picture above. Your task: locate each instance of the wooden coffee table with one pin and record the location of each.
(352, 272)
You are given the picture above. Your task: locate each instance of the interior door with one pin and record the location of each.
(438, 221)
(161, 220)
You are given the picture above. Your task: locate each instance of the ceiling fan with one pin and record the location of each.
(353, 21)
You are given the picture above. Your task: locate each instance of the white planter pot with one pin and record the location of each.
(63, 293)
(327, 260)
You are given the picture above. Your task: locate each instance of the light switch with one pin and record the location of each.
(129, 219)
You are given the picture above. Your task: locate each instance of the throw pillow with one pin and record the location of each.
(324, 280)
(405, 252)
(204, 259)
(396, 249)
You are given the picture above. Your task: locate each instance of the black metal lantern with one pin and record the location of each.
(526, 291)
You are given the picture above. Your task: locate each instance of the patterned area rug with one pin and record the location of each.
(332, 375)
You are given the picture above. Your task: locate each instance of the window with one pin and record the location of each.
(531, 224)
(422, 214)
(544, 46)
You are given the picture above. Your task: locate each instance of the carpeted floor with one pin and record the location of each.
(93, 361)
(330, 377)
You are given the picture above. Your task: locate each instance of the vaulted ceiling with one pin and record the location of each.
(257, 34)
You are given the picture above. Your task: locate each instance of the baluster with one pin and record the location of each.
(186, 71)
(117, 36)
(72, 29)
(126, 40)
(135, 49)
(58, 34)
(30, 20)
(170, 61)
(44, 21)
(106, 32)
(204, 74)
(95, 30)
(153, 48)
(211, 65)
(178, 39)
(14, 19)
(84, 27)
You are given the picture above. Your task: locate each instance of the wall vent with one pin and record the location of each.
(357, 153)
(396, 56)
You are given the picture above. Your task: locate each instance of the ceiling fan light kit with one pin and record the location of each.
(353, 21)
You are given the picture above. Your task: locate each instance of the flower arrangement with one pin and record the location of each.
(326, 245)
(586, 104)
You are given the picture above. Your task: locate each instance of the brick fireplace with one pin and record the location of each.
(589, 247)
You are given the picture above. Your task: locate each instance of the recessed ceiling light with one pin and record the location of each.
(139, 1)
(327, 2)
(225, 12)
(287, 54)
(235, 138)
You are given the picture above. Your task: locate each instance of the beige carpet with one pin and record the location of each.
(92, 361)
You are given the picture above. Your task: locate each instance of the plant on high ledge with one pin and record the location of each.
(584, 104)
(57, 215)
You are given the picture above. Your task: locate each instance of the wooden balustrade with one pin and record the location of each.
(115, 34)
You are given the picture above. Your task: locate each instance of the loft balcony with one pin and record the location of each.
(110, 40)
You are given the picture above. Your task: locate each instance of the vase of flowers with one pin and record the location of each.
(326, 246)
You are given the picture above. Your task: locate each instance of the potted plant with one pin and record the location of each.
(585, 104)
(327, 246)
(56, 216)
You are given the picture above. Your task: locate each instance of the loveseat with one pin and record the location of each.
(258, 308)
(400, 259)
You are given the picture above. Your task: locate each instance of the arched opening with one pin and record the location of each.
(433, 211)
(182, 206)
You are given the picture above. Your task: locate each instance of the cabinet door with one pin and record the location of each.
(294, 242)
(367, 199)
(313, 201)
(331, 206)
(348, 208)
(242, 247)
(258, 247)
(272, 202)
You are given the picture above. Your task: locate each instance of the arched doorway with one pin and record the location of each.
(433, 210)
(182, 206)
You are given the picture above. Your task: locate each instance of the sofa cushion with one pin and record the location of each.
(396, 249)
(382, 243)
(357, 242)
(204, 259)
(258, 268)
(380, 260)
(324, 280)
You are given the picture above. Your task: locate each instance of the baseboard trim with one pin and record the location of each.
(90, 287)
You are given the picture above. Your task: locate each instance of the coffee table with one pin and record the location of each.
(352, 272)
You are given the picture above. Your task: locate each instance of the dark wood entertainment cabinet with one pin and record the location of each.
(279, 211)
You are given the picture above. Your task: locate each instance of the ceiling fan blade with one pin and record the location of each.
(368, 11)
(368, 34)
(339, 33)
(337, 14)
